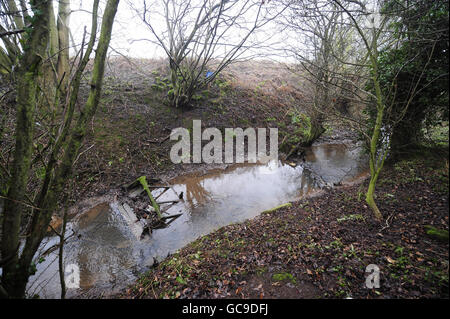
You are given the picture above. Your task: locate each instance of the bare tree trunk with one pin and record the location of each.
(14, 280)
(17, 16)
(71, 149)
(47, 81)
(63, 38)
(53, 47)
(16, 272)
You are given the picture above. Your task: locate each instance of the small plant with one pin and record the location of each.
(355, 217)
(337, 244)
(180, 280)
(284, 276)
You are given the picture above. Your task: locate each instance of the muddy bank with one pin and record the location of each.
(111, 244)
(320, 247)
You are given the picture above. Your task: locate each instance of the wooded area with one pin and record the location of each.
(374, 70)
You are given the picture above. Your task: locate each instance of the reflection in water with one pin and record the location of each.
(195, 191)
(110, 255)
(98, 255)
(335, 162)
(101, 250)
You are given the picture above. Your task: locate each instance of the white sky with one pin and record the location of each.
(128, 28)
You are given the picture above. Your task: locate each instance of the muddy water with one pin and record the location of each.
(107, 247)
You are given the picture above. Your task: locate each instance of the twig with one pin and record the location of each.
(13, 32)
(79, 155)
(20, 202)
(387, 223)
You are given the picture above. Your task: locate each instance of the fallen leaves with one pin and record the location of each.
(390, 260)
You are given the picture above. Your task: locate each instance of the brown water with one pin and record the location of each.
(108, 249)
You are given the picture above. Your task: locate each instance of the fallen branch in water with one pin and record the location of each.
(164, 222)
(143, 181)
(159, 224)
(142, 185)
(169, 202)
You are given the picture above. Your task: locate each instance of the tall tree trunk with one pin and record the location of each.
(16, 274)
(48, 200)
(376, 160)
(53, 47)
(12, 281)
(48, 80)
(63, 39)
(16, 14)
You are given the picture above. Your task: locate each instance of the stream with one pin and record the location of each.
(107, 248)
